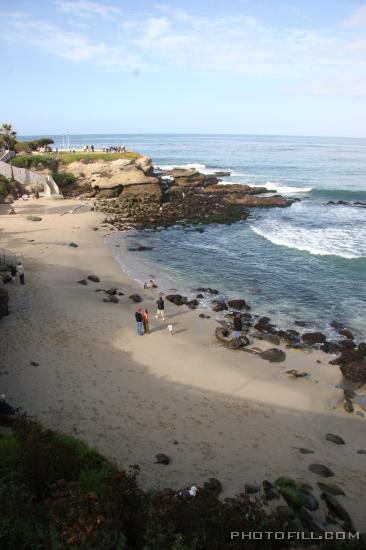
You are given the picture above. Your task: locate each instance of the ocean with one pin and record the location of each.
(306, 262)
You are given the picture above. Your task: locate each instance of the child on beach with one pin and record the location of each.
(170, 330)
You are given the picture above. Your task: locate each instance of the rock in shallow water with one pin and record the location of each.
(313, 338)
(161, 458)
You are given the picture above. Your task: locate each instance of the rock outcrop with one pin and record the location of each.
(133, 195)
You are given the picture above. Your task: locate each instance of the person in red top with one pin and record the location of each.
(145, 320)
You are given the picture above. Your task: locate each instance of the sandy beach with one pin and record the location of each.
(214, 412)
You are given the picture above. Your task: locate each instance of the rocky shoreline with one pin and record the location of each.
(135, 195)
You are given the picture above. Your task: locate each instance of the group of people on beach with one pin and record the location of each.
(114, 149)
(88, 148)
(142, 317)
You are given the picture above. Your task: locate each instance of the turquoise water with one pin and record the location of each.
(306, 262)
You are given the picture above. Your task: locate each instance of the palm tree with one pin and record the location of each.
(8, 136)
(8, 139)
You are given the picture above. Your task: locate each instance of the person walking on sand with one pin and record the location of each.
(138, 317)
(20, 271)
(238, 326)
(170, 329)
(145, 321)
(161, 307)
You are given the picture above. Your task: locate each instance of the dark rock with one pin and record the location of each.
(348, 393)
(177, 299)
(111, 291)
(361, 452)
(200, 296)
(313, 522)
(346, 333)
(267, 337)
(32, 218)
(293, 373)
(312, 338)
(330, 347)
(347, 357)
(135, 298)
(219, 306)
(273, 355)
(202, 316)
(83, 282)
(355, 372)
(296, 494)
(306, 451)
(237, 304)
(193, 303)
(330, 488)
(336, 508)
(161, 458)
(292, 337)
(111, 300)
(320, 470)
(34, 364)
(233, 344)
(362, 348)
(348, 406)
(251, 489)
(221, 333)
(335, 439)
(346, 344)
(213, 485)
(140, 248)
(73, 245)
(94, 278)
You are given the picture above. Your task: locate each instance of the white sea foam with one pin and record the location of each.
(284, 189)
(196, 166)
(318, 241)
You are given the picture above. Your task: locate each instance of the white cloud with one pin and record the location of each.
(87, 8)
(357, 19)
(307, 60)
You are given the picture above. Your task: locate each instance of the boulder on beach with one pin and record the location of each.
(312, 338)
(33, 218)
(273, 355)
(135, 298)
(162, 458)
(335, 439)
(222, 333)
(320, 470)
(355, 372)
(237, 304)
(94, 278)
(329, 488)
(83, 282)
(177, 299)
(219, 305)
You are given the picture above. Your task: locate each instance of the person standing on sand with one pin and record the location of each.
(138, 317)
(145, 321)
(20, 271)
(170, 329)
(238, 326)
(161, 307)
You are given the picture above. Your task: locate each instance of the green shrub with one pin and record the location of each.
(64, 180)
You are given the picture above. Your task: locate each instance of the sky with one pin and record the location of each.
(195, 66)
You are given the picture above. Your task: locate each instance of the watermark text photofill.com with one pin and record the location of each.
(292, 535)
